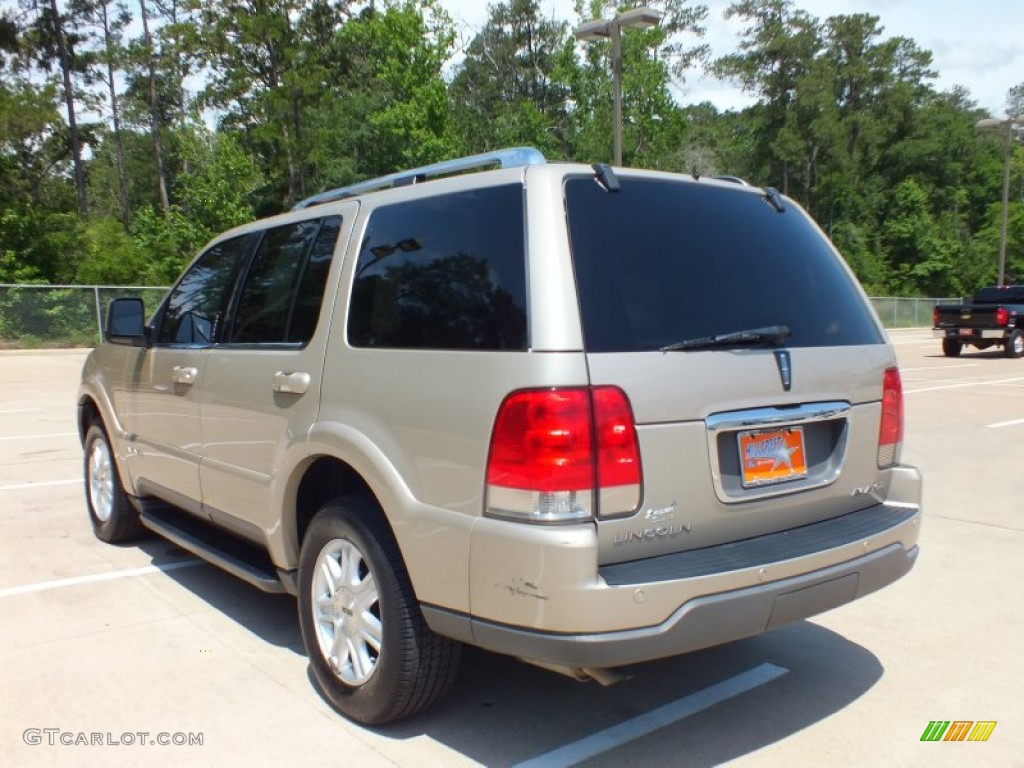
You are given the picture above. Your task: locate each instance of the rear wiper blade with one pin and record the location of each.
(770, 334)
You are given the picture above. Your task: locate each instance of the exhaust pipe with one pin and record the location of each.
(604, 676)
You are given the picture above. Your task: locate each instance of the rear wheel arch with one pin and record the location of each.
(88, 414)
(324, 479)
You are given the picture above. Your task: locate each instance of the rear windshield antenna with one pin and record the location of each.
(771, 194)
(607, 177)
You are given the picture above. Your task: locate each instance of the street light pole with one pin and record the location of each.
(1004, 126)
(1007, 155)
(602, 29)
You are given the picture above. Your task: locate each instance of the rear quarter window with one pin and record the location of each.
(443, 272)
(660, 261)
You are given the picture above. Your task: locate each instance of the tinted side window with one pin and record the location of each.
(445, 272)
(200, 297)
(661, 261)
(267, 297)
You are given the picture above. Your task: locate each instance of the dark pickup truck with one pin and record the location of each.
(993, 317)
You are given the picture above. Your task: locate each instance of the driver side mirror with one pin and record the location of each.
(126, 323)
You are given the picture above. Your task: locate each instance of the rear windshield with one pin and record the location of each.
(660, 262)
(1007, 294)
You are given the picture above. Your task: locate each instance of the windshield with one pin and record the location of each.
(662, 261)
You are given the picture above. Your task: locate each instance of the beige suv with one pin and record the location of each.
(583, 416)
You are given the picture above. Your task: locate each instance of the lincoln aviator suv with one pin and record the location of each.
(581, 415)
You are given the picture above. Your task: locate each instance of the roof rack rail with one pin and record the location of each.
(733, 179)
(504, 158)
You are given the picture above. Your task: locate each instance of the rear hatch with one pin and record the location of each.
(753, 364)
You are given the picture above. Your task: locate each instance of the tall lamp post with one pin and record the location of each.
(643, 17)
(1005, 126)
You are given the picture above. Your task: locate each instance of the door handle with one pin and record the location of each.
(292, 382)
(184, 374)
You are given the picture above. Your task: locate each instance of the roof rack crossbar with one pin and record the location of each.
(504, 158)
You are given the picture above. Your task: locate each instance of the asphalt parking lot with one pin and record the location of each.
(125, 641)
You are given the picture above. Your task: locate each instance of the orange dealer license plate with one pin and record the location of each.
(769, 456)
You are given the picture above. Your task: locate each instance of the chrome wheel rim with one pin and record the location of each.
(101, 480)
(346, 612)
(1018, 345)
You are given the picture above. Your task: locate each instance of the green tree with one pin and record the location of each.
(112, 23)
(1015, 100)
(507, 90)
(215, 195)
(387, 105)
(776, 55)
(653, 62)
(266, 76)
(54, 38)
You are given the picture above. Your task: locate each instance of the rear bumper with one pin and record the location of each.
(708, 621)
(978, 333)
(693, 599)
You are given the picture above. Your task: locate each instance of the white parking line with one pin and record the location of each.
(34, 437)
(940, 367)
(58, 583)
(633, 729)
(46, 484)
(915, 342)
(968, 384)
(1000, 424)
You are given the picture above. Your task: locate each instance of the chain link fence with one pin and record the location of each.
(34, 316)
(907, 313)
(72, 315)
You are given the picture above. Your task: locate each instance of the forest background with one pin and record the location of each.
(133, 131)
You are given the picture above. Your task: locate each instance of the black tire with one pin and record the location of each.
(1014, 344)
(113, 517)
(951, 347)
(410, 667)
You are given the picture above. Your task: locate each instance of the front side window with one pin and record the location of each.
(198, 301)
(313, 282)
(445, 272)
(280, 300)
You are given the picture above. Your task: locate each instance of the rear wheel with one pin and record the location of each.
(1014, 345)
(372, 654)
(113, 517)
(951, 347)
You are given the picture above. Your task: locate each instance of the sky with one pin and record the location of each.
(975, 43)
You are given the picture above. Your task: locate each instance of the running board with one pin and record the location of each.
(218, 548)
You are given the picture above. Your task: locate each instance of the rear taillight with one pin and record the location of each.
(618, 455)
(890, 431)
(553, 450)
(935, 317)
(1002, 316)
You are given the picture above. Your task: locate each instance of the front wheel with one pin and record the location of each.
(951, 347)
(113, 517)
(372, 654)
(1014, 344)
